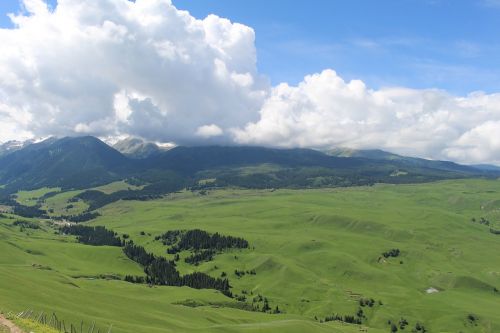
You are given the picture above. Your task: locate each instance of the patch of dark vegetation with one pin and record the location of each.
(41, 267)
(241, 273)
(392, 253)
(235, 305)
(97, 199)
(26, 224)
(402, 323)
(369, 302)
(201, 256)
(481, 220)
(48, 195)
(170, 237)
(350, 319)
(290, 178)
(197, 240)
(34, 252)
(29, 211)
(98, 277)
(485, 222)
(419, 328)
(135, 279)
(96, 236)
(472, 319)
(261, 304)
(160, 271)
(494, 231)
(83, 217)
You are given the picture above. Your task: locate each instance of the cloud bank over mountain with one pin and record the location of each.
(144, 68)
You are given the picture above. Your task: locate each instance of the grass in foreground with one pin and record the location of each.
(32, 326)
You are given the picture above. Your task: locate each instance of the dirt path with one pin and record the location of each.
(7, 323)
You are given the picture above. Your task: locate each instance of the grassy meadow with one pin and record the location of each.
(315, 253)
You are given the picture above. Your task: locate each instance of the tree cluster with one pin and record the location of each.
(403, 323)
(96, 236)
(481, 220)
(392, 253)
(241, 273)
(366, 302)
(256, 306)
(197, 239)
(494, 231)
(201, 256)
(170, 237)
(160, 271)
(29, 211)
(26, 224)
(97, 199)
(135, 279)
(350, 319)
(83, 217)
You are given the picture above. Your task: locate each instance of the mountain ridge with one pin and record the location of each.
(83, 162)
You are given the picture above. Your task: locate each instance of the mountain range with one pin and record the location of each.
(83, 162)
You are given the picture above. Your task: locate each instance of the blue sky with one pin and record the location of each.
(447, 44)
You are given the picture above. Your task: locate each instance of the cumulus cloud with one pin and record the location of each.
(113, 68)
(208, 131)
(117, 67)
(325, 111)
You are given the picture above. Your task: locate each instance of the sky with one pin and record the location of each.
(415, 77)
(445, 44)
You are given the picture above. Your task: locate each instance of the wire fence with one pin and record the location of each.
(58, 324)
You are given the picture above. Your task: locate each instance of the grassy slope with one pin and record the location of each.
(315, 250)
(60, 204)
(50, 273)
(30, 198)
(117, 186)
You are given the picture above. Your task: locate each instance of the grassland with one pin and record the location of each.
(315, 252)
(60, 204)
(117, 186)
(32, 326)
(30, 198)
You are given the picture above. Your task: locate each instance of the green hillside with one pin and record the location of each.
(314, 252)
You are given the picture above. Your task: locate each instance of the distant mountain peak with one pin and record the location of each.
(12, 146)
(138, 148)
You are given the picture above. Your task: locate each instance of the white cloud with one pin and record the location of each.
(209, 131)
(325, 111)
(113, 68)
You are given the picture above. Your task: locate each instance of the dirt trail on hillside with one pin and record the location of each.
(7, 323)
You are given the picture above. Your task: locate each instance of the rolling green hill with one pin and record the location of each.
(315, 253)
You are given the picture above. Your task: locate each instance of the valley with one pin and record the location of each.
(315, 253)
